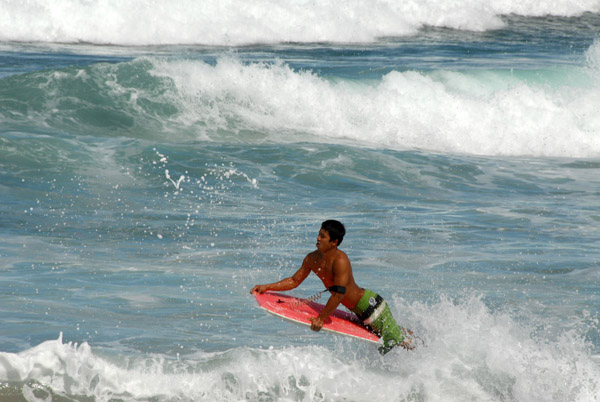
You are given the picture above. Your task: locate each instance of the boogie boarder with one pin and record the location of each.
(333, 267)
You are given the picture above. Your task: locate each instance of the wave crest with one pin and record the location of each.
(484, 113)
(487, 112)
(234, 22)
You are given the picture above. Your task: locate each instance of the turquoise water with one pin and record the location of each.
(149, 179)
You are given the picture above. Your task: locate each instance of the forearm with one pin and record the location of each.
(334, 301)
(284, 284)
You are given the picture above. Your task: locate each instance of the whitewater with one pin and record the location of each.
(159, 159)
(235, 23)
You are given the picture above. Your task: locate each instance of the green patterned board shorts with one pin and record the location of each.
(374, 312)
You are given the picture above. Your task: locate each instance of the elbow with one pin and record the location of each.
(293, 283)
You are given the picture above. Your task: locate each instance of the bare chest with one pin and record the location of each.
(324, 270)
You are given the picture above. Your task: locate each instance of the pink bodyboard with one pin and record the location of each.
(300, 311)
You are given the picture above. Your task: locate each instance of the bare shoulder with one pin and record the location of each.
(311, 258)
(312, 254)
(341, 254)
(341, 258)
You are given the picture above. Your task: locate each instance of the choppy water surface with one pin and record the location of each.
(148, 179)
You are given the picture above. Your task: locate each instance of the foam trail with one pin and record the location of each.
(235, 22)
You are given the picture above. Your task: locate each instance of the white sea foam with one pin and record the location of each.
(235, 22)
(484, 113)
(472, 353)
(592, 56)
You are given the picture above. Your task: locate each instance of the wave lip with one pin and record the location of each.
(235, 22)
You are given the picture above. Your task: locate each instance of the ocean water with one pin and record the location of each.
(158, 159)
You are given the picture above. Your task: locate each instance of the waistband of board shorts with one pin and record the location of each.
(369, 307)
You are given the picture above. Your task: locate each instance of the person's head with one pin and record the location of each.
(335, 229)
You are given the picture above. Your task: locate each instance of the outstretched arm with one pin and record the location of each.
(287, 283)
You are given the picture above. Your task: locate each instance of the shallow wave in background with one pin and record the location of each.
(234, 22)
(546, 112)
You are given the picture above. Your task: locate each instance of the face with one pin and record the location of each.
(324, 242)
